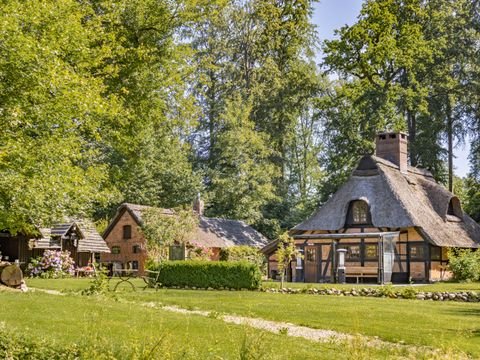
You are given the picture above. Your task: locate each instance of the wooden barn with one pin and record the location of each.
(389, 222)
(127, 243)
(77, 236)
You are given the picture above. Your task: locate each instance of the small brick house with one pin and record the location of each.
(389, 222)
(126, 241)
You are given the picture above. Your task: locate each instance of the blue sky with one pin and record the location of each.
(333, 14)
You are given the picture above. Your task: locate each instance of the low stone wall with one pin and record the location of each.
(386, 292)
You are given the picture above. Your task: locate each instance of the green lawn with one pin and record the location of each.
(81, 283)
(450, 325)
(106, 325)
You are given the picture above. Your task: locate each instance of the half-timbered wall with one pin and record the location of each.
(413, 256)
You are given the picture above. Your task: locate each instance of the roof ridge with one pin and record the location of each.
(224, 219)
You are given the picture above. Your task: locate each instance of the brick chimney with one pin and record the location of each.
(392, 146)
(198, 205)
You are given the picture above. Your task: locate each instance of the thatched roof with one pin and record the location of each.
(398, 200)
(89, 240)
(211, 232)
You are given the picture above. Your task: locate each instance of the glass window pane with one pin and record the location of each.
(435, 253)
(127, 232)
(310, 254)
(371, 251)
(417, 252)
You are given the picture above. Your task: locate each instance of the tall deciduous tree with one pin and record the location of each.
(148, 151)
(240, 183)
(263, 50)
(51, 112)
(410, 69)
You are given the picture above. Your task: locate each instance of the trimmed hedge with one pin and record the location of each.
(210, 274)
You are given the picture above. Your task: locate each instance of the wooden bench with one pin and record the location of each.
(361, 272)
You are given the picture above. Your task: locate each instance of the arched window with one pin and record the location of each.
(358, 213)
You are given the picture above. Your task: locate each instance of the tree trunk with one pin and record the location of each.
(450, 145)
(10, 275)
(412, 132)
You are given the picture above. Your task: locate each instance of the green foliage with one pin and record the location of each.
(254, 347)
(286, 252)
(13, 346)
(147, 151)
(256, 140)
(471, 200)
(205, 274)
(243, 253)
(241, 179)
(402, 67)
(51, 114)
(99, 284)
(409, 293)
(163, 229)
(465, 264)
(386, 291)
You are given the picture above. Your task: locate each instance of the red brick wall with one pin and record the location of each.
(115, 238)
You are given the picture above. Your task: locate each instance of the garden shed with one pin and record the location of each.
(79, 237)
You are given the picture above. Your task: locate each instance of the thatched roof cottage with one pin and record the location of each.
(394, 221)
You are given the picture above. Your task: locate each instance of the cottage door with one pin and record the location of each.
(311, 265)
(325, 266)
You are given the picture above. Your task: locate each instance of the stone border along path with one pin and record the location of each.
(289, 329)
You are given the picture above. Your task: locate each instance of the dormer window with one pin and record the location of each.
(358, 213)
(454, 211)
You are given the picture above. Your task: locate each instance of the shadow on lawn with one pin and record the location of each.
(466, 312)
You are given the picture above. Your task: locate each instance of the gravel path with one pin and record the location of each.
(271, 326)
(47, 291)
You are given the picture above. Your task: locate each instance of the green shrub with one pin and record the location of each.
(387, 291)
(19, 347)
(99, 284)
(464, 264)
(244, 253)
(205, 274)
(409, 293)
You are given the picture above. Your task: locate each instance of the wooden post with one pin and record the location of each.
(380, 260)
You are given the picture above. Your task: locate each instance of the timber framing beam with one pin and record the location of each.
(373, 235)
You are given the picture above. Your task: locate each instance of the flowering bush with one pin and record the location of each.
(53, 264)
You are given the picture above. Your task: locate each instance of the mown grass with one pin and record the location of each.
(127, 329)
(81, 283)
(451, 325)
